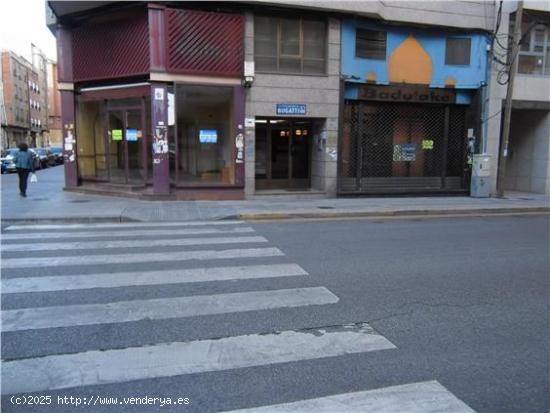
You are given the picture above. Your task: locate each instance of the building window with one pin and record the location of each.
(534, 54)
(370, 44)
(290, 45)
(457, 50)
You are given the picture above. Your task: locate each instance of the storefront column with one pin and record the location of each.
(66, 86)
(238, 105)
(159, 133)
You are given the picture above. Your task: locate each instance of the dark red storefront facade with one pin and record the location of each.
(152, 102)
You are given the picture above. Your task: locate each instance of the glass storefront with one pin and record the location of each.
(202, 151)
(113, 140)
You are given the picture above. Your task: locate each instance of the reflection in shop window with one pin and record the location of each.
(205, 150)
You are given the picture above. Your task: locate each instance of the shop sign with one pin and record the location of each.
(291, 109)
(404, 152)
(417, 94)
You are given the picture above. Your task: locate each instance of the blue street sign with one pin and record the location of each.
(291, 109)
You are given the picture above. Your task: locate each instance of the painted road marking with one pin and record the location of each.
(31, 262)
(124, 233)
(172, 359)
(123, 279)
(162, 308)
(122, 225)
(90, 245)
(427, 396)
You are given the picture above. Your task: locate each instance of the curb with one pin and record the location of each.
(66, 220)
(266, 216)
(276, 215)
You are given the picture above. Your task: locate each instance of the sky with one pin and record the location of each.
(23, 22)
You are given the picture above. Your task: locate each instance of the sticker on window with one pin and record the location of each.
(427, 144)
(116, 134)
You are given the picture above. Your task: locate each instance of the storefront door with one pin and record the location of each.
(126, 146)
(282, 154)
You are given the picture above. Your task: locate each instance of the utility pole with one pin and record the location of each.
(503, 153)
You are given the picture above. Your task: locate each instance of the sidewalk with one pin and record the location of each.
(47, 202)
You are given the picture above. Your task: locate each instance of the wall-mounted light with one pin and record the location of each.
(248, 76)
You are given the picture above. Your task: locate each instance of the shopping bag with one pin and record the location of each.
(34, 178)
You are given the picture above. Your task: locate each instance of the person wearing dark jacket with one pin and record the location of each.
(24, 163)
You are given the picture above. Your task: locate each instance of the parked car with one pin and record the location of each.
(36, 158)
(47, 158)
(8, 160)
(58, 152)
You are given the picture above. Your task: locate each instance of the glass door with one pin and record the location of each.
(126, 146)
(280, 153)
(283, 153)
(134, 136)
(116, 147)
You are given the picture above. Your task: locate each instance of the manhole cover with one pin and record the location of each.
(325, 207)
(80, 201)
(39, 199)
(527, 199)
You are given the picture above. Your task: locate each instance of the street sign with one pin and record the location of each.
(291, 109)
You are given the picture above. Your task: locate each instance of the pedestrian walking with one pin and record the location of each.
(24, 163)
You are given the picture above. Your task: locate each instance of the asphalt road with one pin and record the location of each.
(461, 301)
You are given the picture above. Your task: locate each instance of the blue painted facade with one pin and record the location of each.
(467, 77)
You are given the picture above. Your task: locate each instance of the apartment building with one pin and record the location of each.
(40, 99)
(54, 106)
(315, 98)
(528, 157)
(24, 109)
(16, 109)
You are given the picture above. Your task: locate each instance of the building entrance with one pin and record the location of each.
(283, 153)
(126, 145)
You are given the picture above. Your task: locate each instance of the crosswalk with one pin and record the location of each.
(59, 278)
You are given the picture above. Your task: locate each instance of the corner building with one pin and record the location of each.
(152, 101)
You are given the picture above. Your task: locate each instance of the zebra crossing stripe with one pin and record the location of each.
(162, 308)
(84, 245)
(122, 225)
(123, 279)
(172, 359)
(427, 396)
(122, 233)
(32, 262)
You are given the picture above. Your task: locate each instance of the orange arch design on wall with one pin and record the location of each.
(410, 63)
